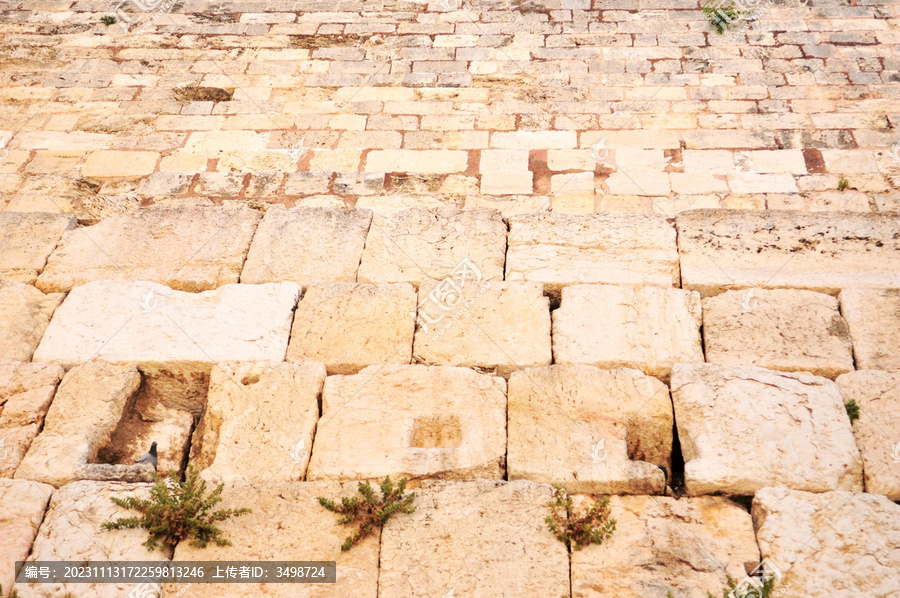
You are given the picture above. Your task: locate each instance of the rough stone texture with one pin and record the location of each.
(81, 419)
(22, 505)
(743, 428)
(259, 422)
(287, 523)
(593, 430)
(307, 245)
(488, 324)
(414, 421)
(877, 430)
(836, 544)
(26, 239)
(349, 326)
(874, 319)
(24, 315)
(780, 329)
(71, 532)
(192, 248)
(26, 390)
(645, 328)
(144, 321)
(476, 539)
(664, 545)
(558, 249)
(734, 249)
(420, 244)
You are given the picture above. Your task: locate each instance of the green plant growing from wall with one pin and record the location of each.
(369, 511)
(176, 511)
(721, 14)
(109, 20)
(764, 591)
(578, 530)
(843, 184)
(852, 410)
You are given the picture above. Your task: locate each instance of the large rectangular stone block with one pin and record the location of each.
(736, 249)
(874, 319)
(187, 248)
(117, 320)
(24, 315)
(414, 421)
(22, 505)
(26, 239)
(559, 249)
(307, 245)
(743, 428)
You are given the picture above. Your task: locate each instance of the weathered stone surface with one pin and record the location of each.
(475, 538)
(307, 245)
(349, 326)
(735, 249)
(26, 239)
(22, 505)
(874, 319)
(877, 430)
(414, 421)
(81, 419)
(836, 544)
(187, 248)
(779, 329)
(593, 430)
(287, 523)
(24, 315)
(259, 422)
(558, 249)
(26, 390)
(117, 320)
(645, 328)
(420, 244)
(663, 545)
(489, 324)
(72, 531)
(743, 428)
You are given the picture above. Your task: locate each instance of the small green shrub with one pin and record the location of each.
(843, 184)
(371, 512)
(755, 592)
(852, 410)
(578, 531)
(176, 511)
(109, 20)
(720, 15)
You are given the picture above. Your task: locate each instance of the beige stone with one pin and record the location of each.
(412, 420)
(593, 430)
(646, 328)
(71, 531)
(24, 315)
(825, 252)
(26, 390)
(259, 422)
(743, 428)
(488, 324)
(117, 320)
(191, 248)
(22, 505)
(664, 545)
(559, 249)
(779, 329)
(287, 524)
(26, 239)
(307, 245)
(116, 163)
(475, 539)
(420, 244)
(874, 319)
(424, 161)
(349, 326)
(877, 430)
(830, 545)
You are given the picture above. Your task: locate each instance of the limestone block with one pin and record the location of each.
(24, 315)
(743, 428)
(874, 319)
(22, 505)
(414, 421)
(26, 239)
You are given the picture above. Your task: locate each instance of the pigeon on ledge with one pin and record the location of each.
(149, 457)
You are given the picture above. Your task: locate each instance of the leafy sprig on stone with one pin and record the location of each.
(578, 530)
(852, 410)
(732, 591)
(370, 511)
(177, 511)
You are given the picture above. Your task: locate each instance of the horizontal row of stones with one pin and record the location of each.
(484, 538)
(741, 428)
